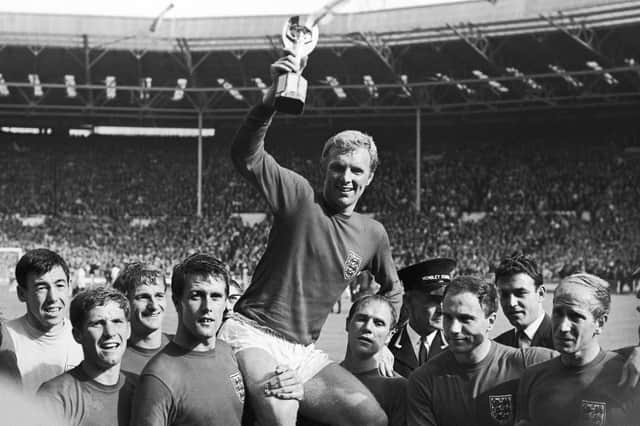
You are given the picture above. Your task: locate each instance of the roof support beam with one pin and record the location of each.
(586, 37)
(200, 102)
(480, 43)
(384, 52)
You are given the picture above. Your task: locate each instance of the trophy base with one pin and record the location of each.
(291, 92)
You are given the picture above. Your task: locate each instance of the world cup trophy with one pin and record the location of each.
(291, 88)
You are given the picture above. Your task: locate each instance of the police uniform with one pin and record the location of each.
(430, 276)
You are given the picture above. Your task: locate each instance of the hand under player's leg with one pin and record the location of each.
(333, 396)
(257, 368)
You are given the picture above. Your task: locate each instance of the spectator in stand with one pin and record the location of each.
(579, 212)
(39, 345)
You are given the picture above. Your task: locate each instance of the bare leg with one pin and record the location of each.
(257, 367)
(336, 397)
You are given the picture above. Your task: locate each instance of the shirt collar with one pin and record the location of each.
(414, 337)
(531, 329)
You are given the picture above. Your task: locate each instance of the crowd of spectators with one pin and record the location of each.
(574, 204)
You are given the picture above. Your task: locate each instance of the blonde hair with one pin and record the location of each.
(348, 141)
(598, 287)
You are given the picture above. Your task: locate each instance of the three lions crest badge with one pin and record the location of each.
(593, 413)
(501, 408)
(351, 265)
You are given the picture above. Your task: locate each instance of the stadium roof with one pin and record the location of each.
(199, 8)
(458, 58)
(423, 22)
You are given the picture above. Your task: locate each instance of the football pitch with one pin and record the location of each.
(621, 329)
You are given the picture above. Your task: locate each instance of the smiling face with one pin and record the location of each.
(466, 326)
(148, 304)
(200, 311)
(369, 328)
(47, 297)
(103, 335)
(575, 329)
(346, 177)
(520, 300)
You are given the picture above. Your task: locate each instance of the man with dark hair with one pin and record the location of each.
(521, 291)
(317, 246)
(583, 379)
(475, 380)
(95, 392)
(144, 287)
(39, 345)
(370, 322)
(195, 380)
(421, 338)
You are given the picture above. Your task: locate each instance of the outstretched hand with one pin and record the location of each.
(285, 384)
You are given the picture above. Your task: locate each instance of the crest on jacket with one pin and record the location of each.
(501, 408)
(593, 413)
(351, 265)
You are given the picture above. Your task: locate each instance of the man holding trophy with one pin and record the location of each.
(317, 245)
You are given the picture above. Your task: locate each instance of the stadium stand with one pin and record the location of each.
(570, 201)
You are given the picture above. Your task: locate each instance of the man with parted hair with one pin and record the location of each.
(475, 380)
(583, 380)
(194, 380)
(144, 287)
(370, 322)
(317, 245)
(95, 392)
(521, 291)
(39, 345)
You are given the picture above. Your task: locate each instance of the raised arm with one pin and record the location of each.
(248, 143)
(279, 186)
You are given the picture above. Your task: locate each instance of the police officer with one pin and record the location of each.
(420, 337)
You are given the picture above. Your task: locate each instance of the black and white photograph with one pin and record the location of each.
(320, 212)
